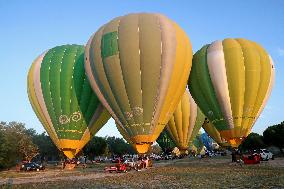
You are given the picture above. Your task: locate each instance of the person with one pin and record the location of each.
(234, 156)
(63, 165)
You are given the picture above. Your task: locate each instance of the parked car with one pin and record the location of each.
(31, 166)
(130, 162)
(265, 155)
(252, 158)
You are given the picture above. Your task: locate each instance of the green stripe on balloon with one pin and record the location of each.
(203, 85)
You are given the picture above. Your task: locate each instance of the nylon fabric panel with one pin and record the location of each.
(94, 66)
(128, 45)
(202, 90)
(99, 122)
(178, 114)
(179, 78)
(212, 131)
(35, 104)
(266, 83)
(168, 54)
(188, 109)
(269, 90)
(150, 62)
(236, 76)
(45, 84)
(192, 118)
(252, 81)
(116, 81)
(39, 94)
(172, 130)
(217, 70)
(198, 123)
(65, 81)
(79, 80)
(54, 84)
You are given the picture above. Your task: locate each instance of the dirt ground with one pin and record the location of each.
(217, 172)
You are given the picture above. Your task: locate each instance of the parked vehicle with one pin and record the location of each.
(118, 168)
(31, 166)
(130, 162)
(265, 155)
(251, 158)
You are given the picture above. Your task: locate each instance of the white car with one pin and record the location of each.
(130, 162)
(265, 154)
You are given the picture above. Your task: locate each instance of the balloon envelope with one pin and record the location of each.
(185, 122)
(207, 141)
(231, 81)
(214, 133)
(138, 65)
(165, 141)
(62, 98)
(197, 145)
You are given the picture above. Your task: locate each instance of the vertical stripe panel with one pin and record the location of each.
(235, 70)
(217, 70)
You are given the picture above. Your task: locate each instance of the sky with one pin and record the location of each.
(28, 28)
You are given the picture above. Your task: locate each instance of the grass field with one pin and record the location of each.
(216, 172)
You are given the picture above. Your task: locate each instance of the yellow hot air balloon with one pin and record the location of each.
(231, 81)
(138, 65)
(214, 133)
(185, 122)
(196, 145)
(62, 98)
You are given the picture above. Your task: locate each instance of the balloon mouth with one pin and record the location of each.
(235, 142)
(233, 137)
(183, 150)
(69, 153)
(142, 148)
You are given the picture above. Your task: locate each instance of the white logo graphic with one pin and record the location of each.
(64, 119)
(135, 112)
(210, 113)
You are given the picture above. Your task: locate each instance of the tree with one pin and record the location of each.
(15, 145)
(118, 146)
(274, 135)
(47, 149)
(27, 149)
(253, 141)
(156, 149)
(96, 146)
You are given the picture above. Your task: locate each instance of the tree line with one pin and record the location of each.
(272, 136)
(18, 143)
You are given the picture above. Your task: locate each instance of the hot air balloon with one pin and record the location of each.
(197, 145)
(63, 100)
(231, 81)
(165, 142)
(125, 135)
(138, 65)
(185, 122)
(214, 133)
(207, 141)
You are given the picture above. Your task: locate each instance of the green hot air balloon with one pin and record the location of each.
(231, 81)
(165, 141)
(62, 98)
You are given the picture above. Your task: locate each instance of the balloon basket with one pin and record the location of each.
(69, 166)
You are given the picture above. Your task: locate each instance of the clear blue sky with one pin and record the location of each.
(27, 28)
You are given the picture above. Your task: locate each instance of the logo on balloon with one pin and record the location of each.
(135, 112)
(75, 117)
(210, 113)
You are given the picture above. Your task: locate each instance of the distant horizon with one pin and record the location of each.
(30, 28)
